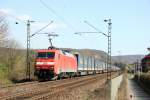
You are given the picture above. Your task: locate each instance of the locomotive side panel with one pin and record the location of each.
(66, 64)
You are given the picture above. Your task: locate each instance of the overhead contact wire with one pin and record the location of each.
(42, 28)
(60, 17)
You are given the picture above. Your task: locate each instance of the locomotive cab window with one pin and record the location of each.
(41, 55)
(50, 54)
(46, 55)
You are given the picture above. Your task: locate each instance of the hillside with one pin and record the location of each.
(127, 59)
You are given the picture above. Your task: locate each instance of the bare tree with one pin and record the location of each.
(3, 30)
(15, 59)
(11, 57)
(3, 37)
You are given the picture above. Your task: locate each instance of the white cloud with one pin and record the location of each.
(11, 14)
(6, 11)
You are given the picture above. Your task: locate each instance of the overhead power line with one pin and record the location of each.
(55, 13)
(42, 28)
(95, 28)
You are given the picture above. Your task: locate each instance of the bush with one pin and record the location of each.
(144, 80)
(4, 80)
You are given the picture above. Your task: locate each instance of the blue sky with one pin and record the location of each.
(130, 23)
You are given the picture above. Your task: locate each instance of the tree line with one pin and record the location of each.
(12, 57)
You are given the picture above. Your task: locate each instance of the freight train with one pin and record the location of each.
(145, 63)
(55, 63)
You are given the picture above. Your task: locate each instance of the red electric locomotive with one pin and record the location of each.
(53, 63)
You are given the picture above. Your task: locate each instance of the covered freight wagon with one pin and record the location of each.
(89, 64)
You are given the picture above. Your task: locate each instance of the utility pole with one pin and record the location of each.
(28, 56)
(134, 68)
(28, 60)
(109, 49)
(148, 50)
(108, 35)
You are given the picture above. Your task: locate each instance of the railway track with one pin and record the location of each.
(51, 93)
(44, 90)
(18, 84)
(24, 87)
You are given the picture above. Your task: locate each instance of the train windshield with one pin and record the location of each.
(46, 55)
(50, 54)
